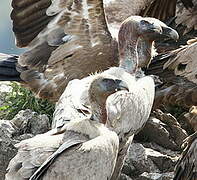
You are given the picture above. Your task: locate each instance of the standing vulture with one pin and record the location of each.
(128, 111)
(60, 37)
(82, 149)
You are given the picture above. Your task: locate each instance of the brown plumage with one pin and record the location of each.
(186, 167)
(177, 70)
(164, 9)
(66, 40)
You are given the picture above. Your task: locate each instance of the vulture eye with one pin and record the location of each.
(143, 22)
(108, 82)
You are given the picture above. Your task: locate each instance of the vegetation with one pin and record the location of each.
(19, 99)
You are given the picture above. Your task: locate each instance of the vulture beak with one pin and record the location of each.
(171, 33)
(121, 85)
(148, 27)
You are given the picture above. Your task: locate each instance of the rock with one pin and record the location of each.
(30, 122)
(24, 125)
(163, 162)
(141, 160)
(155, 131)
(7, 149)
(164, 130)
(174, 128)
(173, 154)
(156, 176)
(137, 161)
(7, 152)
(124, 177)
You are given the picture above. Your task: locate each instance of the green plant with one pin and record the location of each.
(19, 99)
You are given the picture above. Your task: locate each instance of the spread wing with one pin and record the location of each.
(186, 167)
(165, 9)
(29, 19)
(178, 73)
(34, 152)
(161, 9)
(187, 15)
(61, 50)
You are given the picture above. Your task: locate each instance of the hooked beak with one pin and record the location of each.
(171, 33)
(157, 30)
(121, 85)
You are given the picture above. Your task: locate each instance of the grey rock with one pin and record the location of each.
(30, 122)
(156, 176)
(137, 161)
(7, 152)
(156, 131)
(163, 162)
(141, 160)
(177, 134)
(23, 126)
(124, 177)
(161, 149)
(7, 149)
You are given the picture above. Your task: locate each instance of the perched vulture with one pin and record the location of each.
(127, 111)
(186, 167)
(82, 149)
(66, 40)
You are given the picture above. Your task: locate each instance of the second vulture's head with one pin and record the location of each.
(147, 28)
(100, 88)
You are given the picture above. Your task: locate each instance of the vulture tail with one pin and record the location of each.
(8, 68)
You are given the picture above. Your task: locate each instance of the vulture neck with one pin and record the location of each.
(128, 55)
(145, 52)
(99, 112)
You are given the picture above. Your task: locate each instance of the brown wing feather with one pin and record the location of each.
(187, 17)
(88, 47)
(29, 18)
(161, 9)
(178, 72)
(186, 168)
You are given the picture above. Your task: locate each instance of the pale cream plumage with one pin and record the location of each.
(82, 149)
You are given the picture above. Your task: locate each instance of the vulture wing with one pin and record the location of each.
(186, 167)
(40, 150)
(29, 19)
(74, 42)
(177, 69)
(161, 9)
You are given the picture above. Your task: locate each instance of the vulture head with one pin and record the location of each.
(146, 49)
(101, 87)
(135, 40)
(166, 31)
(131, 30)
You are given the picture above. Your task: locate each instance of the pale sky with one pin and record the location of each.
(7, 41)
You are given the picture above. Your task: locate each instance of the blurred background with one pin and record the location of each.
(7, 41)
